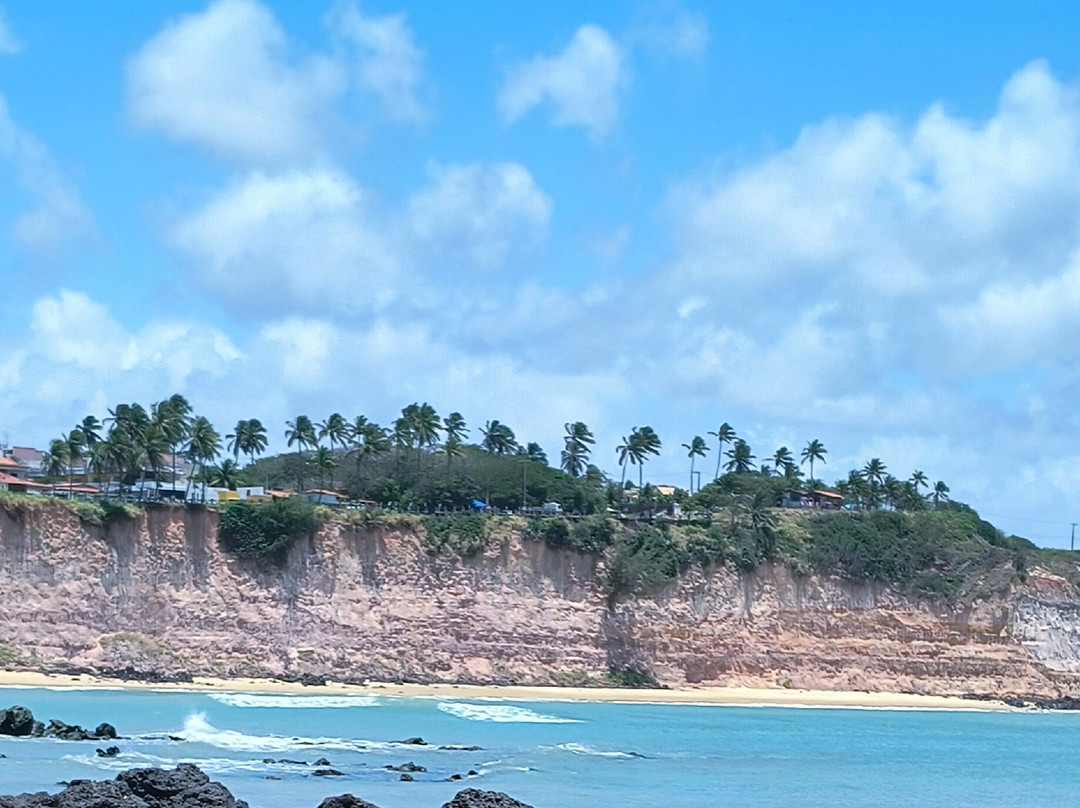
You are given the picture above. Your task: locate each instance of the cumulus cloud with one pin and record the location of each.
(479, 212)
(57, 216)
(9, 43)
(230, 79)
(305, 240)
(582, 83)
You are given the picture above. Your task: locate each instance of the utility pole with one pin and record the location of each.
(1072, 537)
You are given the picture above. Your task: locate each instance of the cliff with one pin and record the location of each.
(156, 594)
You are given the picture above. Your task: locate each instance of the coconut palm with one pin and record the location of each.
(91, 429)
(172, 419)
(575, 454)
(454, 427)
(322, 460)
(643, 442)
(940, 493)
(623, 450)
(452, 447)
(249, 438)
(533, 451)
(498, 438)
(740, 458)
(56, 460)
(919, 480)
(225, 475)
(75, 442)
(301, 433)
(367, 439)
(725, 434)
(782, 459)
(203, 445)
(695, 448)
(427, 426)
(335, 429)
(814, 450)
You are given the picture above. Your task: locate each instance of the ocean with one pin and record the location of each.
(561, 754)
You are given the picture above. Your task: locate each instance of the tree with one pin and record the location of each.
(575, 454)
(919, 480)
(533, 451)
(249, 438)
(226, 475)
(623, 450)
(940, 493)
(98, 459)
(55, 461)
(814, 450)
(783, 460)
(740, 459)
(367, 438)
(725, 434)
(454, 427)
(301, 433)
(643, 442)
(91, 429)
(322, 460)
(335, 429)
(498, 438)
(172, 420)
(452, 447)
(695, 448)
(874, 473)
(203, 446)
(75, 451)
(427, 426)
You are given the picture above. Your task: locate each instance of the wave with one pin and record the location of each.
(217, 766)
(500, 713)
(582, 749)
(293, 702)
(198, 730)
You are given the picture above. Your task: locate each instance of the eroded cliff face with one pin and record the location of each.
(157, 594)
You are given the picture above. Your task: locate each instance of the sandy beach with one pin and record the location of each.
(732, 696)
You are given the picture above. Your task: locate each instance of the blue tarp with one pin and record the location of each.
(478, 505)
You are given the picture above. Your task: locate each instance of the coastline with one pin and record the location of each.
(715, 696)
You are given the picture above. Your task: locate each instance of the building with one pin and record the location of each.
(321, 496)
(20, 485)
(13, 468)
(27, 457)
(826, 500)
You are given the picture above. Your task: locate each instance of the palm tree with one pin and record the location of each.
(454, 427)
(695, 448)
(452, 447)
(204, 445)
(874, 473)
(367, 438)
(55, 461)
(98, 459)
(335, 429)
(322, 460)
(226, 475)
(623, 450)
(814, 450)
(782, 459)
(249, 438)
(172, 419)
(300, 432)
(575, 454)
(643, 442)
(498, 438)
(725, 434)
(427, 426)
(76, 451)
(940, 493)
(919, 480)
(91, 429)
(740, 459)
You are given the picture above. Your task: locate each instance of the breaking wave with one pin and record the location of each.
(500, 713)
(293, 702)
(198, 730)
(582, 749)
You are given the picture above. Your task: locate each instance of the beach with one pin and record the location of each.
(732, 696)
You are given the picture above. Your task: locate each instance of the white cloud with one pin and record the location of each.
(582, 83)
(58, 215)
(294, 241)
(230, 79)
(389, 65)
(670, 30)
(9, 43)
(479, 212)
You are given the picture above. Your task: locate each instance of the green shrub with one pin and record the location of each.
(629, 676)
(641, 562)
(265, 530)
(464, 534)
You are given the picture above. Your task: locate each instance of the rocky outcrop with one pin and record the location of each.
(188, 787)
(155, 597)
(18, 722)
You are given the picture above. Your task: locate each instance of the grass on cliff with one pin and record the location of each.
(266, 530)
(95, 513)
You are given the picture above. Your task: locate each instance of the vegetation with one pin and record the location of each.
(265, 530)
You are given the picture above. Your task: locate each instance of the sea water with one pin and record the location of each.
(561, 754)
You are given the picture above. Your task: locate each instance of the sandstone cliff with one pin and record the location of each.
(157, 594)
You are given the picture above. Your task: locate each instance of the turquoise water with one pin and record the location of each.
(564, 754)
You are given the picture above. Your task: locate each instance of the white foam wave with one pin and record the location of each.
(500, 713)
(130, 760)
(293, 702)
(582, 749)
(198, 730)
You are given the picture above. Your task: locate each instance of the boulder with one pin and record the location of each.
(17, 720)
(111, 751)
(66, 732)
(406, 778)
(409, 767)
(417, 741)
(346, 801)
(474, 798)
(182, 787)
(328, 773)
(105, 730)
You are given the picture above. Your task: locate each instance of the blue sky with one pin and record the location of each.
(847, 221)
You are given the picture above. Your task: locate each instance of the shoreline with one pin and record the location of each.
(712, 696)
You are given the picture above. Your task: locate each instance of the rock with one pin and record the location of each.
(346, 801)
(406, 767)
(407, 778)
(271, 777)
(321, 762)
(105, 731)
(453, 777)
(288, 762)
(182, 787)
(473, 773)
(66, 732)
(269, 760)
(473, 798)
(111, 751)
(461, 748)
(413, 742)
(328, 773)
(17, 721)
(311, 680)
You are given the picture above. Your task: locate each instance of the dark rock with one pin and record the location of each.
(473, 798)
(17, 721)
(154, 677)
(182, 787)
(66, 732)
(461, 748)
(111, 751)
(407, 778)
(271, 777)
(406, 767)
(328, 773)
(321, 762)
(454, 777)
(288, 762)
(413, 741)
(269, 760)
(105, 731)
(473, 773)
(346, 801)
(311, 680)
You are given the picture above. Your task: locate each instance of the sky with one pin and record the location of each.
(852, 222)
